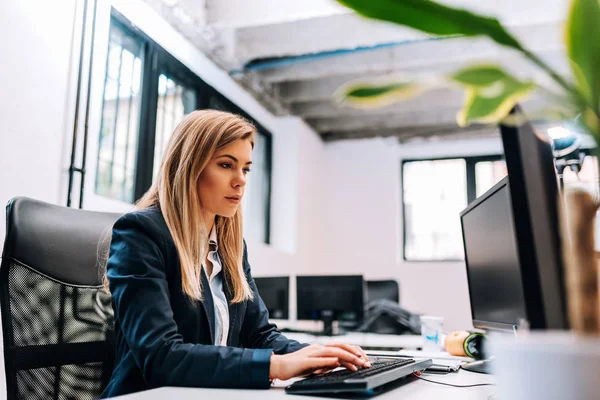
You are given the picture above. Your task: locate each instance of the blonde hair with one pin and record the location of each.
(190, 148)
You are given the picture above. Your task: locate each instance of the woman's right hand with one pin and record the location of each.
(310, 359)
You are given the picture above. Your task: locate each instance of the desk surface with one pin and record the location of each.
(415, 388)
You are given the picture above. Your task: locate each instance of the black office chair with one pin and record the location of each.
(383, 290)
(56, 317)
(383, 313)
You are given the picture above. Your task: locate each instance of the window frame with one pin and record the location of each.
(470, 162)
(156, 61)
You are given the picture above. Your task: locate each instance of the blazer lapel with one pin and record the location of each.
(208, 304)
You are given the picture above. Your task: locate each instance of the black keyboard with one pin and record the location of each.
(346, 380)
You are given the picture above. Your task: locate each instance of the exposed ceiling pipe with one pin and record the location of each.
(267, 63)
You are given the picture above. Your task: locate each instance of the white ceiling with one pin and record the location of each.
(293, 55)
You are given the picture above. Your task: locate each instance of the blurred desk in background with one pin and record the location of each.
(371, 341)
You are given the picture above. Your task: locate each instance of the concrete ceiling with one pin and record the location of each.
(293, 56)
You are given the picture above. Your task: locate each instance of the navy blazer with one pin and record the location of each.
(165, 339)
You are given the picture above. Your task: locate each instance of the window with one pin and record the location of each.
(120, 117)
(434, 192)
(146, 93)
(175, 100)
(487, 174)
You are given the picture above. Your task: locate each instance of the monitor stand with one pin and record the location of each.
(327, 325)
(479, 366)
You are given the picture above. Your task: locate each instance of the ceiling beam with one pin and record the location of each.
(316, 35)
(437, 55)
(424, 117)
(330, 107)
(295, 29)
(432, 100)
(411, 132)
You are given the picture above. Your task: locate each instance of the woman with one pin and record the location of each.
(187, 312)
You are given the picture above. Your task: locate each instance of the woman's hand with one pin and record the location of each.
(316, 358)
(357, 350)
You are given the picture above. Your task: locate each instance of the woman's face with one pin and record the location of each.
(222, 183)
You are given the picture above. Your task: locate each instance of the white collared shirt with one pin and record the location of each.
(218, 294)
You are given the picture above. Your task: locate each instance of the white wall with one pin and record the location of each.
(36, 98)
(364, 222)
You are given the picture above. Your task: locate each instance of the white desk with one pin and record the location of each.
(413, 390)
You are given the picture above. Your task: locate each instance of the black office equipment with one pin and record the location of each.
(330, 298)
(535, 200)
(387, 317)
(491, 254)
(56, 316)
(383, 290)
(494, 273)
(275, 292)
(364, 381)
(512, 242)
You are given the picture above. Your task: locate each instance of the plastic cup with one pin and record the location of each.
(431, 331)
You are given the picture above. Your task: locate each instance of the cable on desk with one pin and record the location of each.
(418, 375)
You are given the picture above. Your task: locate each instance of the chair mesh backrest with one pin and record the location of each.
(57, 319)
(61, 337)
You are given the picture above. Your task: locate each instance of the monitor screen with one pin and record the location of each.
(338, 298)
(492, 260)
(275, 293)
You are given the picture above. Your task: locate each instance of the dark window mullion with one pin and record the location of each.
(471, 180)
(145, 151)
(269, 164)
(202, 95)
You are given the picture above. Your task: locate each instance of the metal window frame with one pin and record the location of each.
(470, 162)
(127, 33)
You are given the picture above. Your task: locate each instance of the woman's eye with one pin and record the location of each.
(246, 170)
(225, 165)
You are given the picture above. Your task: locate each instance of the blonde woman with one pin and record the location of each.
(187, 312)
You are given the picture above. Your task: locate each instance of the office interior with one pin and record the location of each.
(351, 192)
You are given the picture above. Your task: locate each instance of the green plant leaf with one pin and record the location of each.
(583, 47)
(431, 17)
(479, 75)
(373, 94)
(491, 93)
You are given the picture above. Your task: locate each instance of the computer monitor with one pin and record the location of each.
(496, 288)
(535, 200)
(330, 298)
(523, 210)
(275, 293)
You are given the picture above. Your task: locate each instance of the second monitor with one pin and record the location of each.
(275, 292)
(331, 298)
